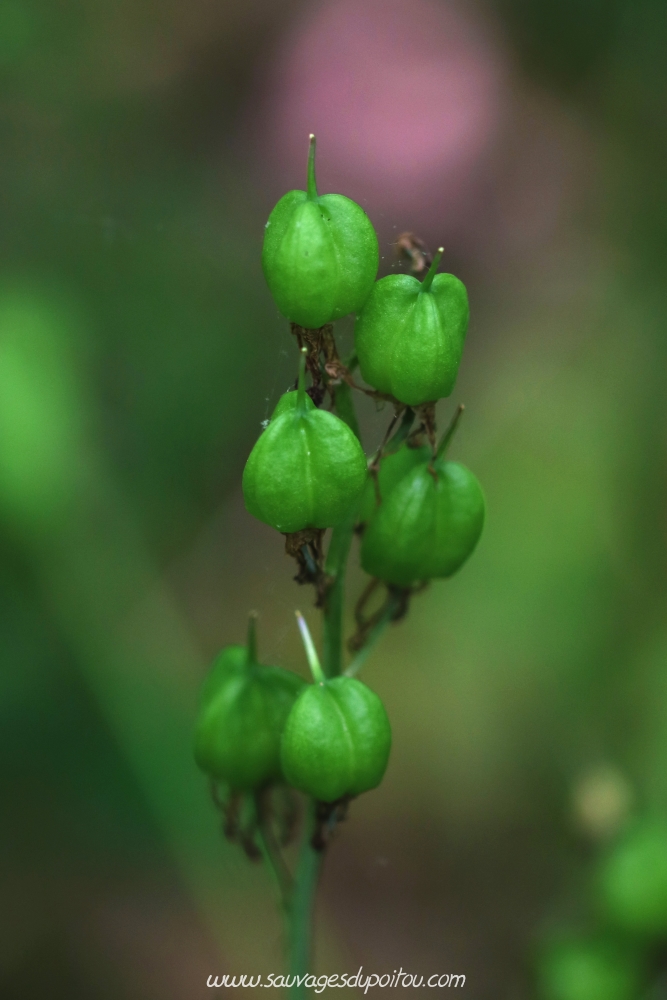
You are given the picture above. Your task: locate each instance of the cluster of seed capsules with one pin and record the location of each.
(260, 725)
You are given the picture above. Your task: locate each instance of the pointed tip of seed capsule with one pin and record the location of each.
(435, 264)
(311, 187)
(309, 646)
(251, 641)
(301, 387)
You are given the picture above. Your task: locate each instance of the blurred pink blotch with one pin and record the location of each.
(404, 97)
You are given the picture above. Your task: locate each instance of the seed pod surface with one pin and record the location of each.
(307, 470)
(409, 335)
(392, 469)
(320, 254)
(336, 740)
(427, 526)
(243, 709)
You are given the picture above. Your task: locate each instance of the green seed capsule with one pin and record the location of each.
(426, 526)
(243, 710)
(409, 335)
(392, 469)
(320, 254)
(601, 969)
(336, 740)
(632, 881)
(307, 469)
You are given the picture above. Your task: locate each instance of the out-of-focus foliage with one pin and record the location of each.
(41, 434)
(590, 970)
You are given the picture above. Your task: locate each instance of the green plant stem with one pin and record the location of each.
(274, 862)
(301, 906)
(302, 898)
(310, 860)
(450, 432)
(359, 660)
(335, 567)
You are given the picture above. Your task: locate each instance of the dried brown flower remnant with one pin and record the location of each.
(414, 251)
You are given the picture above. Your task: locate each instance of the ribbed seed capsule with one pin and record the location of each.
(320, 254)
(392, 469)
(337, 738)
(243, 709)
(426, 526)
(409, 335)
(307, 470)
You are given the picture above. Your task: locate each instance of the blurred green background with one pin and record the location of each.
(142, 148)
